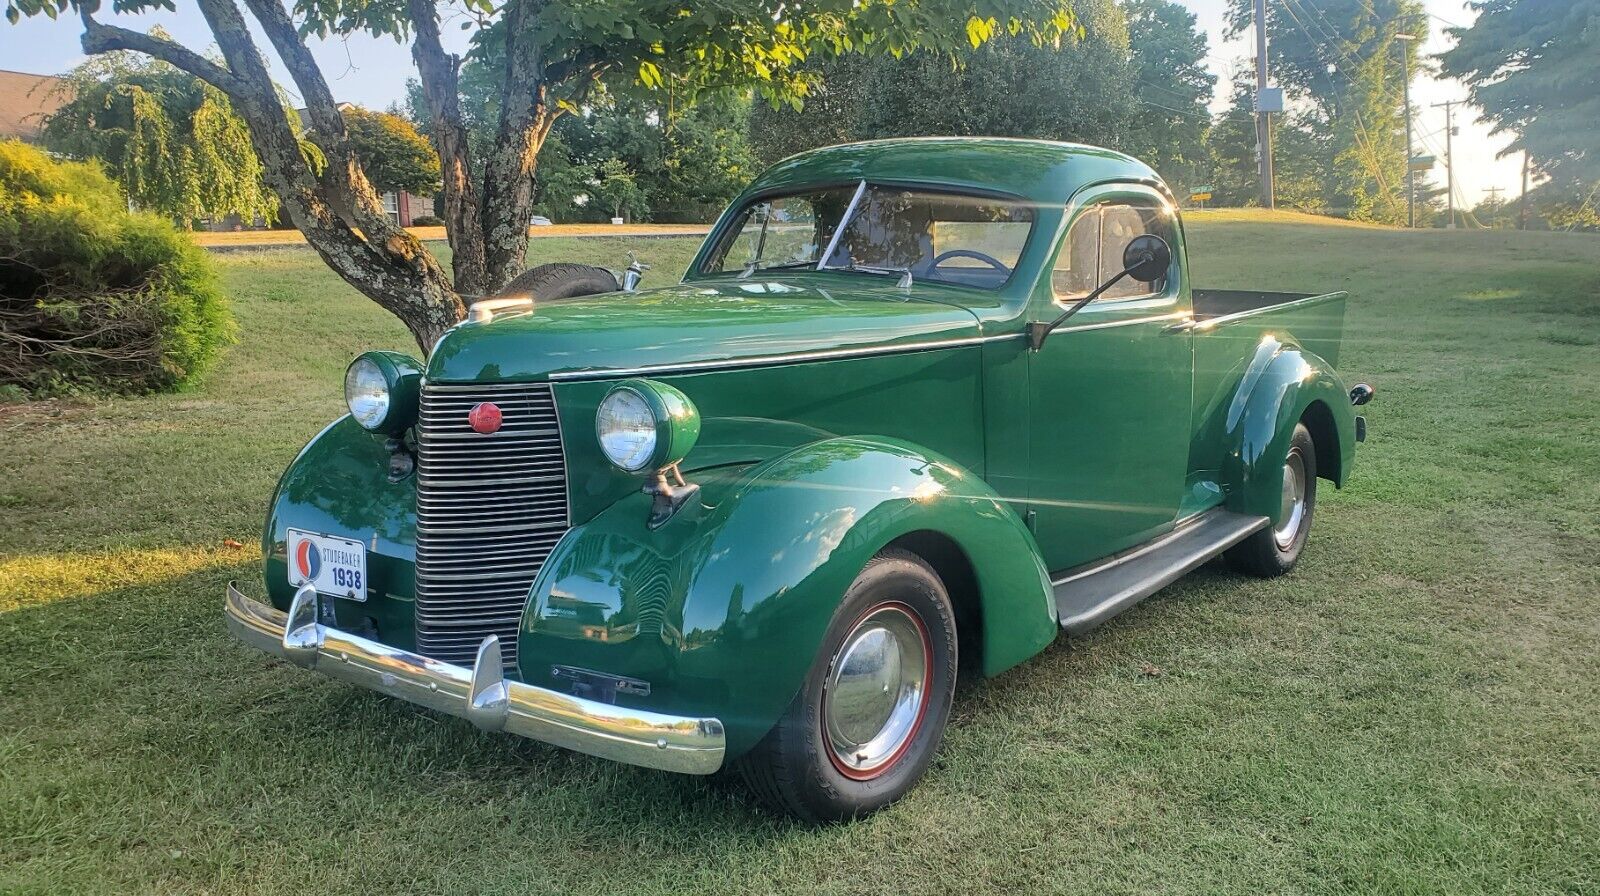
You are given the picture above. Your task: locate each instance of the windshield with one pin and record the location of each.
(941, 237)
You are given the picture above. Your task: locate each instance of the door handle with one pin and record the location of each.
(1182, 326)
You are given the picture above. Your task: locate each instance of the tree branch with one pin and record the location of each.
(102, 38)
(440, 73)
(384, 262)
(349, 188)
(314, 90)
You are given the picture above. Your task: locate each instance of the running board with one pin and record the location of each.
(1091, 594)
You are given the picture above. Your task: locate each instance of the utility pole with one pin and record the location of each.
(1411, 182)
(1449, 160)
(1522, 203)
(1494, 193)
(1263, 118)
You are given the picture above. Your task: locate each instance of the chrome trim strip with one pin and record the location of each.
(481, 695)
(561, 376)
(1123, 323)
(1210, 322)
(473, 387)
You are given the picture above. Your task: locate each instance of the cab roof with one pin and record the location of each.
(1042, 171)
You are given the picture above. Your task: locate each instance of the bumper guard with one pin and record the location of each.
(482, 694)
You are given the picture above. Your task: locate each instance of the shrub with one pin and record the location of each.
(94, 297)
(427, 221)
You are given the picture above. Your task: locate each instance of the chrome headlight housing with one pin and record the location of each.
(382, 391)
(643, 425)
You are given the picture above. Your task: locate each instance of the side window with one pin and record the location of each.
(1121, 224)
(1076, 266)
(1093, 251)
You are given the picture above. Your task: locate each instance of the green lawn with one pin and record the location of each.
(1416, 709)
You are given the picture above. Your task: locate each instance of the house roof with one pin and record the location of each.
(26, 100)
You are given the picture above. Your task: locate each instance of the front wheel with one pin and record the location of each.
(872, 711)
(1274, 550)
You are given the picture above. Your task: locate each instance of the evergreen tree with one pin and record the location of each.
(1302, 151)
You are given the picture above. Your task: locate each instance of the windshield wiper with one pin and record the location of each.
(753, 267)
(903, 273)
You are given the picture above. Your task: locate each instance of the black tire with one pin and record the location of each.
(1274, 550)
(560, 280)
(796, 768)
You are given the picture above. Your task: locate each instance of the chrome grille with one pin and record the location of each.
(490, 508)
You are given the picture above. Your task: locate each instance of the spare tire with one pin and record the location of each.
(560, 280)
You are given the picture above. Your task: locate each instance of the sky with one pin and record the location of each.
(373, 71)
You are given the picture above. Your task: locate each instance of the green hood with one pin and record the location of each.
(722, 320)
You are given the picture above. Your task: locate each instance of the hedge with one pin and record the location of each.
(93, 297)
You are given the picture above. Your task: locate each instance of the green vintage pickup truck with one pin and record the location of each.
(917, 407)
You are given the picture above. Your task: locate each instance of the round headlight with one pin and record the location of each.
(644, 425)
(367, 393)
(627, 429)
(381, 389)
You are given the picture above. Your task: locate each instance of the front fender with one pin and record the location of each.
(1283, 384)
(722, 609)
(339, 485)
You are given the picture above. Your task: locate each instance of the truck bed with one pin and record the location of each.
(1311, 320)
(1210, 303)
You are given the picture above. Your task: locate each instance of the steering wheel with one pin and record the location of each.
(942, 257)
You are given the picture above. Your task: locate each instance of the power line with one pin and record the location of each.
(1172, 109)
(1364, 139)
(1177, 93)
(1330, 39)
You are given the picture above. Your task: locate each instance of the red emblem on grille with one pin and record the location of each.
(485, 417)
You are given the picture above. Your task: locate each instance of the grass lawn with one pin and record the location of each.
(1415, 710)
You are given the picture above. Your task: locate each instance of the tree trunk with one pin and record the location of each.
(335, 208)
(330, 200)
(525, 120)
(441, 90)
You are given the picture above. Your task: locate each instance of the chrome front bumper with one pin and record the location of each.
(481, 695)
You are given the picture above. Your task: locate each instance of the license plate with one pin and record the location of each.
(334, 566)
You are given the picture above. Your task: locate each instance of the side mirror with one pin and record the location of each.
(1147, 258)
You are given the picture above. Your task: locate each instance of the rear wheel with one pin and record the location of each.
(1274, 550)
(561, 280)
(872, 711)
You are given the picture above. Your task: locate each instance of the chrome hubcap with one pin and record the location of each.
(876, 691)
(1293, 510)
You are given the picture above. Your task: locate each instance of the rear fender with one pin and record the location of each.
(724, 607)
(1281, 384)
